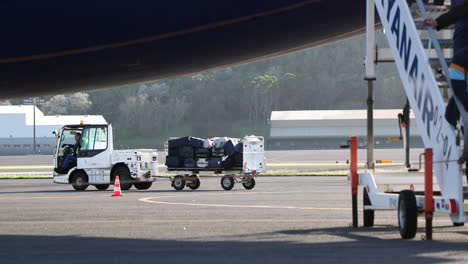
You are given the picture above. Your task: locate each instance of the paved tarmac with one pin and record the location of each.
(277, 161)
(282, 220)
(274, 156)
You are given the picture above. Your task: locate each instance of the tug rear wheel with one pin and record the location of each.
(124, 175)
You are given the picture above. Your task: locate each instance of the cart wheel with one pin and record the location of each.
(195, 183)
(178, 183)
(250, 184)
(227, 182)
(407, 214)
(368, 214)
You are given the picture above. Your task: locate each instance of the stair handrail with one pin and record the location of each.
(445, 69)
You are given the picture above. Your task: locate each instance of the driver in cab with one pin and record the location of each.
(70, 160)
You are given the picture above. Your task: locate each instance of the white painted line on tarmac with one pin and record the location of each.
(151, 200)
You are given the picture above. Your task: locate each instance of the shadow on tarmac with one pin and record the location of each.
(110, 191)
(260, 248)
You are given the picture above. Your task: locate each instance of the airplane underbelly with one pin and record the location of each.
(58, 49)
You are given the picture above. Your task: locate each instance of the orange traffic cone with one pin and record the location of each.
(117, 191)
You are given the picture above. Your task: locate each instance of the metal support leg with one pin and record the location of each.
(370, 77)
(370, 125)
(406, 117)
(428, 193)
(354, 179)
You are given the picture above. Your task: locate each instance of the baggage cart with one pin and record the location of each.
(253, 163)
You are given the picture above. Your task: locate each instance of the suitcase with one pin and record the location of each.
(178, 142)
(196, 142)
(229, 147)
(228, 163)
(189, 163)
(186, 152)
(214, 162)
(173, 162)
(202, 153)
(239, 147)
(208, 143)
(238, 160)
(202, 163)
(217, 152)
(174, 151)
(220, 141)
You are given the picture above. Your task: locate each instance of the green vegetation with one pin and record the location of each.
(279, 174)
(238, 100)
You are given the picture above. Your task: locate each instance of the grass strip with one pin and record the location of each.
(279, 174)
(276, 174)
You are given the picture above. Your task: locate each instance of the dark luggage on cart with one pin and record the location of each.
(189, 163)
(178, 142)
(187, 152)
(215, 162)
(202, 153)
(196, 142)
(173, 162)
(230, 147)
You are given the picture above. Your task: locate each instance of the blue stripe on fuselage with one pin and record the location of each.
(34, 27)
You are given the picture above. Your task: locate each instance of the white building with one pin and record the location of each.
(16, 133)
(332, 128)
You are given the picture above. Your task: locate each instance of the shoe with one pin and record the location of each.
(61, 170)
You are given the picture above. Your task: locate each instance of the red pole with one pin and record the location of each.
(354, 178)
(428, 192)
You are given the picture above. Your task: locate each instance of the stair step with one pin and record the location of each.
(444, 43)
(419, 25)
(385, 55)
(431, 8)
(435, 62)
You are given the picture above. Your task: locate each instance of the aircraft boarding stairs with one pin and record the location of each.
(421, 55)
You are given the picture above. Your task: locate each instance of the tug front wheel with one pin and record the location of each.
(79, 180)
(407, 214)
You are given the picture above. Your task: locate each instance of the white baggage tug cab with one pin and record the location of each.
(97, 163)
